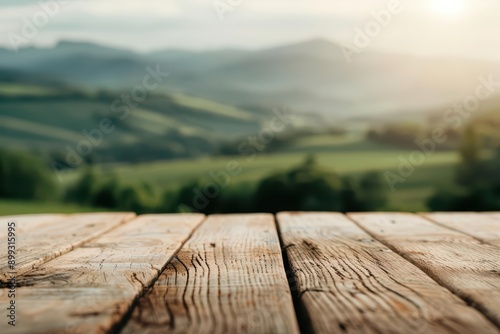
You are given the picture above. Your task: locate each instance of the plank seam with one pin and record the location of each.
(119, 325)
(303, 319)
(467, 300)
(483, 242)
(4, 284)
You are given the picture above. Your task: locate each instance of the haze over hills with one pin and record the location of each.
(51, 117)
(311, 76)
(48, 96)
(52, 100)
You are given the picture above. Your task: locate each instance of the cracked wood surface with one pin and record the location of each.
(348, 282)
(228, 278)
(482, 226)
(464, 265)
(90, 289)
(45, 237)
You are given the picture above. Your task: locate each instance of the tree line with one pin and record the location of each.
(305, 187)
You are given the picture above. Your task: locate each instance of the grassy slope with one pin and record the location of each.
(410, 196)
(11, 89)
(15, 207)
(43, 119)
(348, 157)
(55, 121)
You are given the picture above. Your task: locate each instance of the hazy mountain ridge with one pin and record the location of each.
(374, 83)
(48, 96)
(50, 117)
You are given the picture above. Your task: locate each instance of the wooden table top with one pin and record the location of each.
(250, 273)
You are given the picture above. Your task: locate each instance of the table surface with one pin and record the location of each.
(250, 273)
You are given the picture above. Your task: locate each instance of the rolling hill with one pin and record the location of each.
(308, 76)
(49, 117)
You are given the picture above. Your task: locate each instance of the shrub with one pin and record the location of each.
(23, 176)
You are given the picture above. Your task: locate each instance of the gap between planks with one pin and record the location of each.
(484, 227)
(467, 267)
(228, 278)
(91, 289)
(41, 238)
(350, 283)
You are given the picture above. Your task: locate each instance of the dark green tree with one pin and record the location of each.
(106, 195)
(24, 176)
(83, 190)
(196, 196)
(478, 180)
(129, 199)
(470, 147)
(372, 192)
(305, 188)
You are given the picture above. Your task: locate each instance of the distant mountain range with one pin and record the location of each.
(311, 76)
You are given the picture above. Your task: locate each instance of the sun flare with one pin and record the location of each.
(448, 7)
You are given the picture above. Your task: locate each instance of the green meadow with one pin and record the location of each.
(346, 157)
(172, 140)
(16, 207)
(437, 172)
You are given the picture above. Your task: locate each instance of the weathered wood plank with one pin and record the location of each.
(350, 283)
(27, 223)
(90, 289)
(482, 226)
(228, 278)
(464, 265)
(43, 240)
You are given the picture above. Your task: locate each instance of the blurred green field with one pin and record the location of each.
(349, 155)
(174, 173)
(437, 171)
(11, 89)
(14, 207)
(23, 124)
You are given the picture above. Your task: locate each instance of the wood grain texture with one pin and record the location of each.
(350, 283)
(466, 266)
(482, 226)
(27, 223)
(43, 240)
(228, 278)
(90, 289)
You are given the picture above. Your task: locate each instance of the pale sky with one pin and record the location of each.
(462, 28)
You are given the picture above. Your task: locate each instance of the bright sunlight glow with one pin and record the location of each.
(449, 7)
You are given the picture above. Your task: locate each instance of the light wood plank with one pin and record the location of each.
(27, 223)
(43, 240)
(350, 283)
(90, 289)
(482, 226)
(464, 265)
(228, 278)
